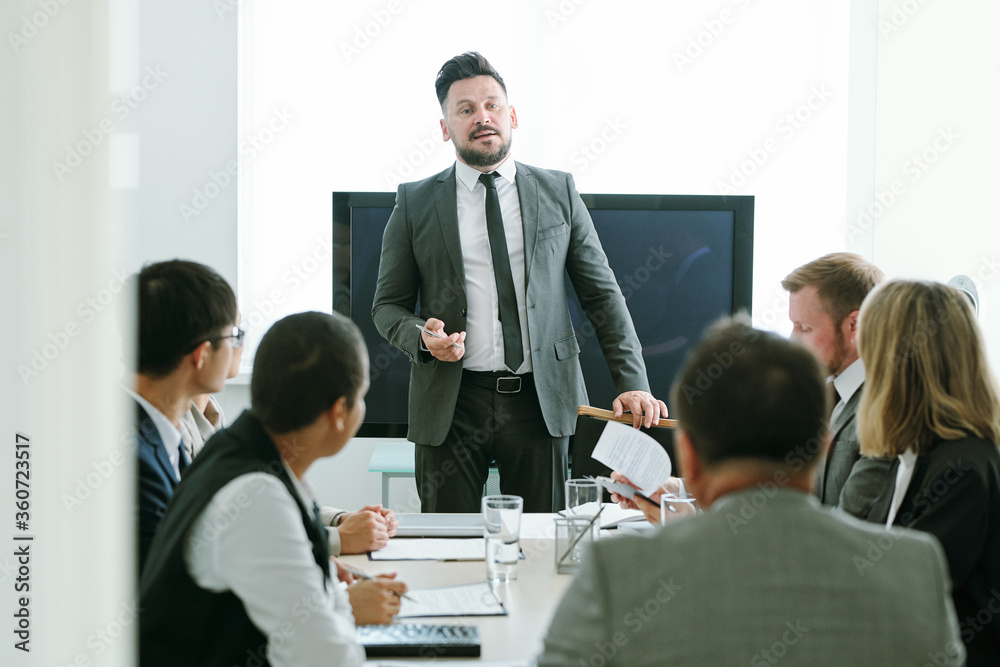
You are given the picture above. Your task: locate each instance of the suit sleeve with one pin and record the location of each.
(865, 483)
(395, 302)
(153, 498)
(580, 621)
(602, 299)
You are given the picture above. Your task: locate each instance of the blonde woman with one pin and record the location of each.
(931, 403)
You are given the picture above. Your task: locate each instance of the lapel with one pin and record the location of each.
(149, 433)
(527, 196)
(847, 414)
(447, 214)
(843, 419)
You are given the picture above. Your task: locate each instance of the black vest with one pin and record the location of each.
(181, 623)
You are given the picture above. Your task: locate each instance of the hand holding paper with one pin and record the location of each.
(634, 454)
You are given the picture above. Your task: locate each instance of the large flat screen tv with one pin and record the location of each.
(682, 261)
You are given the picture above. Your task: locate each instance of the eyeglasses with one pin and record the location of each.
(237, 337)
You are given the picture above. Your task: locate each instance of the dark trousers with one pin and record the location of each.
(491, 426)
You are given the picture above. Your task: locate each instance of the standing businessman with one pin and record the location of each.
(480, 250)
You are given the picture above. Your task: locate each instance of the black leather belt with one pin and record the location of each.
(502, 383)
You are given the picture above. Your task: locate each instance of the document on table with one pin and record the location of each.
(468, 600)
(635, 455)
(611, 517)
(457, 663)
(409, 548)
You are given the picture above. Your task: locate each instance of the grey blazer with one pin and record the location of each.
(421, 275)
(845, 478)
(765, 574)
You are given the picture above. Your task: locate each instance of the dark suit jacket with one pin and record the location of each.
(157, 480)
(846, 479)
(421, 271)
(954, 494)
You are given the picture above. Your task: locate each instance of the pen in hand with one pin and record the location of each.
(361, 574)
(435, 334)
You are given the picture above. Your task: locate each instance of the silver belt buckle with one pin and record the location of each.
(509, 385)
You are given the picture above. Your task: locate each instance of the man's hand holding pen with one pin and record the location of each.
(444, 347)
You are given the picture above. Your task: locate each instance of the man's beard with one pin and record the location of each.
(477, 158)
(839, 353)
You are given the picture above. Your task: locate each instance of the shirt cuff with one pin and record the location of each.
(333, 538)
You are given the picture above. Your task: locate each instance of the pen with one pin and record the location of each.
(361, 574)
(435, 334)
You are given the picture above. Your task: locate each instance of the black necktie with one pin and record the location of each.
(183, 460)
(513, 354)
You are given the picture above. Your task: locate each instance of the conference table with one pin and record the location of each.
(530, 601)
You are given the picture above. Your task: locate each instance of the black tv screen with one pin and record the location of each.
(682, 261)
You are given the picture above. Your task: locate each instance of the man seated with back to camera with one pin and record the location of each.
(241, 554)
(765, 571)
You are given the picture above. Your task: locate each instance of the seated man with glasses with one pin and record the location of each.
(186, 348)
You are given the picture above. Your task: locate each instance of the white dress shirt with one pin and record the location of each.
(250, 540)
(483, 331)
(904, 473)
(847, 384)
(169, 434)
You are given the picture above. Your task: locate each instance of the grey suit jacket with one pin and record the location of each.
(765, 574)
(845, 478)
(421, 275)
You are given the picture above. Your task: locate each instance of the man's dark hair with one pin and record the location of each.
(181, 305)
(303, 365)
(466, 66)
(749, 394)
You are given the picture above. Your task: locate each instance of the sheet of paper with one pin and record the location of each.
(468, 600)
(612, 515)
(409, 548)
(454, 663)
(635, 455)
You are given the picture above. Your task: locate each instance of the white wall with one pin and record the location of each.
(937, 142)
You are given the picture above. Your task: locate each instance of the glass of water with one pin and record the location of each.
(501, 528)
